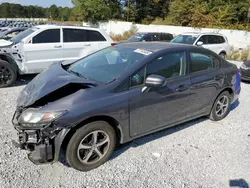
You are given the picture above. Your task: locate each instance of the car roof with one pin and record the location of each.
(202, 33)
(152, 33)
(63, 26)
(158, 46)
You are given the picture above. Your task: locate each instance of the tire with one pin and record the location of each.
(223, 55)
(87, 158)
(8, 74)
(216, 112)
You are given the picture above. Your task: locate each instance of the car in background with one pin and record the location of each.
(150, 37)
(245, 71)
(9, 33)
(35, 49)
(119, 94)
(215, 42)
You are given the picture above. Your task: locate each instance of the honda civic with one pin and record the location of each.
(86, 108)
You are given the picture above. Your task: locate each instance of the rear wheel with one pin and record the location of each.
(91, 146)
(221, 107)
(8, 74)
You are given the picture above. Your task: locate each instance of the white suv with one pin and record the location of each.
(37, 48)
(214, 42)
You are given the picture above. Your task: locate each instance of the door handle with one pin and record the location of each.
(57, 46)
(182, 88)
(87, 44)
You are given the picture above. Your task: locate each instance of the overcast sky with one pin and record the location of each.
(44, 3)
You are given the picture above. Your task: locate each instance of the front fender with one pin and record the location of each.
(58, 143)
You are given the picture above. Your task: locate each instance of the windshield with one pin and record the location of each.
(108, 64)
(23, 35)
(185, 39)
(136, 38)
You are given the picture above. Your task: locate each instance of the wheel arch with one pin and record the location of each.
(10, 60)
(230, 91)
(65, 135)
(224, 52)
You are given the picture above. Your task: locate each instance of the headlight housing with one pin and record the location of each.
(34, 116)
(243, 66)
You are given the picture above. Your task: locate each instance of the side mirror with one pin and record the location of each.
(200, 43)
(153, 81)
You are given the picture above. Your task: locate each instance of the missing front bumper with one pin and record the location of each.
(41, 154)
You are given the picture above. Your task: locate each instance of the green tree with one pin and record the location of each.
(53, 11)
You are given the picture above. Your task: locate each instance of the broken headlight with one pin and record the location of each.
(34, 116)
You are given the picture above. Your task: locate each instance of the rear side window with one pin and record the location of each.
(93, 36)
(166, 37)
(48, 36)
(168, 66)
(213, 39)
(220, 39)
(201, 62)
(74, 35)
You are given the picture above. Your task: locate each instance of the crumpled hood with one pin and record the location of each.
(5, 42)
(47, 82)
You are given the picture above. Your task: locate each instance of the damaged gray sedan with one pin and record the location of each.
(83, 110)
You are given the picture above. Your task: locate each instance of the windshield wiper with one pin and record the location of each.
(77, 74)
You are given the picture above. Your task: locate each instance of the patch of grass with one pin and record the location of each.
(125, 36)
(240, 55)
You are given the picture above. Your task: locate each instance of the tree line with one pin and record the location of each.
(194, 13)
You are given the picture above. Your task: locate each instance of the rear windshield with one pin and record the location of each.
(23, 35)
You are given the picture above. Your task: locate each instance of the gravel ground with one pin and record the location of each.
(200, 153)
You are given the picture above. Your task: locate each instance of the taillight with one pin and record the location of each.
(113, 44)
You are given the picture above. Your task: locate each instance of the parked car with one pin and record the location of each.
(118, 94)
(150, 36)
(35, 49)
(245, 71)
(214, 42)
(11, 32)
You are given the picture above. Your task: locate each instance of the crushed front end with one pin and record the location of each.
(39, 139)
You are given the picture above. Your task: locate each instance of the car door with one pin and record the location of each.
(78, 43)
(159, 107)
(42, 50)
(205, 78)
(212, 43)
(74, 43)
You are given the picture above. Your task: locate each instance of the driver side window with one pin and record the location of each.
(168, 66)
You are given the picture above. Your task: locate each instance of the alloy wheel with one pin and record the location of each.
(5, 75)
(222, 106)
(93, 147)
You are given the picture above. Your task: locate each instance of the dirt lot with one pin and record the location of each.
(200, 153)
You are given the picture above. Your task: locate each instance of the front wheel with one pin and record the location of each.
(221, 107)
(8, 74)
(91, 146)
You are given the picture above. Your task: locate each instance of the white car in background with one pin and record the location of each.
(35, 49)
(215, 42)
